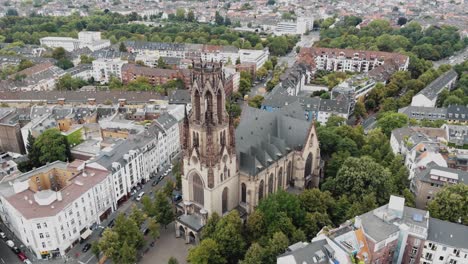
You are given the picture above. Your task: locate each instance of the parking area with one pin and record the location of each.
(7, 254)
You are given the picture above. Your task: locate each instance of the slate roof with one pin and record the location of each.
(166, 121)
(447, 233)
(263, 137)
(458, 113)
(303, 254)
(425, 174)
(421, 112)
(180, 97)
(434, 88)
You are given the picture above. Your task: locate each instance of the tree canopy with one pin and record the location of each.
(451, 204)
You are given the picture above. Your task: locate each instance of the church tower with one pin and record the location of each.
(210, 180)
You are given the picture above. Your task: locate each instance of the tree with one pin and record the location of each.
(109, 244)
(67, 82)
(276, 246)
(148, 206)
(451, 204)
(50, 146)
(11, 12)
(255, 226)
(402, 20)
(153, 227)
(115, 83)
(137, 215)
(64, 64)
(180, 14)
(360, 176)
(229, 237)
(173, 260)
(161, 63)
(168, 188)
(127, 254)
(219, 20)
(262, 73)
(390, 121)
(164, 212)
(59, 53)
(208, 252)
(256, 101)
(210, 227)
(360, 110)
(244, 86)
(95, 249)
(122, 47)
(255, 255)
(190, 16)
(85, 59)
(24, 64)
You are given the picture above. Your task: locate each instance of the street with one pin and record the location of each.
(457, 58)
(7, 256)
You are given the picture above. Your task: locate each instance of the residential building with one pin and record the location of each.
(10, 130)
(170, 127)
(52, 207)
(456, 134)
(445, 244)
(424, 113)
(392, 233)
(427, 97)
(131, 72)
(457, 114)
(104, 69)
(350, 60)
(69, 44)
(422, 154)
(430, 179)
(403, 140)
(300, 26)
(257, 57)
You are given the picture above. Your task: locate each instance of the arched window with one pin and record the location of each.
(210, 178)
(243, 193)
(308, 166)
(280, 179)
(225, 200)
(289, 174)
(197, 105)
(270, 184)
(198, 192)
(209, 106)
(221, 177)
(260, 190)
(219, 104)
(226, 172)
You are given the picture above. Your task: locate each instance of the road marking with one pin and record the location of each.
(2, 260)
(89, 259)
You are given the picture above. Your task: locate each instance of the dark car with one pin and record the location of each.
(177, 197)
(146, 231)
(155, 182)
(86, 247)
(111, 223)
(16, 250)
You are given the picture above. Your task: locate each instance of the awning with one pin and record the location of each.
(86, 234)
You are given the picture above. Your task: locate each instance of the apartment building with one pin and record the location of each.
(104, 69)
(350, 60)
(86, 39)
(392, 233)
(52, 207)
(69, 44)
(427, 97)
(430, 179)
(131, 72)
(299, 26)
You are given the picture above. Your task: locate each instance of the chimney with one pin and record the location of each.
(91, 101)
(122, 102)
(61, 101)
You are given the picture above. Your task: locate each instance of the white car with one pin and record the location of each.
(10, 243)
(2, 235)
(27, 261)
(140, 195)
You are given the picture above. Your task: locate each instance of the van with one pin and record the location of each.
(140, 195)
(10, 243)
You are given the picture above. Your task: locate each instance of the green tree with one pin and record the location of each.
(360, 176)
(190, 16)
(360, 110)
(168, 188)
(210, 227)
(59, 53)
(173, 260)
(64, 64)
(164, 211)
(244, 86)
(110, 245)
(229, 237)
(137, 215)
(122, 47)
(390, 121)
(262, 73)
(208, 252)
(219, 20)
(50, 146)
(127, 254)
(256, 101)
(255, 255)
(95, 249)
(180, 14)
(451, 204)
(85, 59)
(115, 83)
(277, 245)
(161, 63)
(24, 64)
(153, 227)
(148, 206)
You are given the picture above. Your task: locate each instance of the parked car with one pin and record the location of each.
(22, 256)
(140, 195)
(16, 250)
(111, 223)
(27, 261)
(2, 235)
(10, 243)
(86, 247)
(177, 197)
(146, 231)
